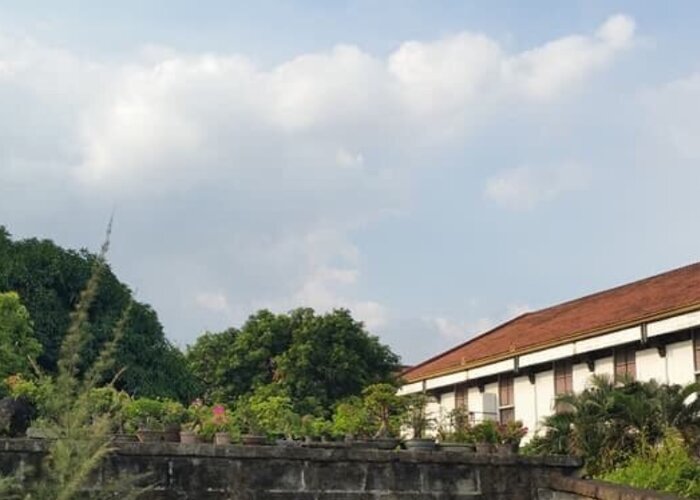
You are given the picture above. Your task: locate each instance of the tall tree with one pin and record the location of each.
(316, 359)
(49, 280)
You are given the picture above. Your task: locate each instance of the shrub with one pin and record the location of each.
(384, 407)
(485, 432)
(416, 415)
(668, 467)
(351, 419)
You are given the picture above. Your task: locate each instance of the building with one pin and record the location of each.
(648, 329)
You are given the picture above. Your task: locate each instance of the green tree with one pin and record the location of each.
(17, 343)
(332, 357)
(50, 280)
(316, 359)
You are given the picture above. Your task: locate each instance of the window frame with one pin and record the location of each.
(624, 357)
(506, 412)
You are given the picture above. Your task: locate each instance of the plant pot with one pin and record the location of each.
(253, 440)
(150, 436)
(222, 438)
(507, 448)
(124, 438)
(457, 447)
(188, 437)
(386, 443)
(420, 444)
(172, 434)
(35, 433)
(484, 448)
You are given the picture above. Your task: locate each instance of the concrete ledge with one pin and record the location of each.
(600, 490)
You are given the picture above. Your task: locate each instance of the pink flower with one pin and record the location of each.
(218, 411)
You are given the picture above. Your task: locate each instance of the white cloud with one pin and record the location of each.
(524, 187)
(212, 301)
(281, 160)
(460, 330)
(546, 71)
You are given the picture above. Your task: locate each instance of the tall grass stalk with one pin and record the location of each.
(79, 441)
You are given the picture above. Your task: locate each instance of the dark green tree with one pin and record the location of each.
(49, 280)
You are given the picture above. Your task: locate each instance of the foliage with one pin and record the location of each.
(317, 359)
(668, 467)
(511, 432)
(144, 413)
(18, 346)
(455, 427)
(272, 410)
(609, 423)
(80, 438)
(486, 431)
(51, 280)
(351, 419)
(384, 407)
(416, 416)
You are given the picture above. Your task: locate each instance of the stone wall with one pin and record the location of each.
(204, 471)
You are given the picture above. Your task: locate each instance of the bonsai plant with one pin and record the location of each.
(173, 415)
(485, 436)
(192, 422)
(144, 416)
(249, 425)
(509, 436)
(417, 419)
(384, 409)
(352, 421)
(455, 431)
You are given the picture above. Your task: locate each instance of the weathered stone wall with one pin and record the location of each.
(204, 471)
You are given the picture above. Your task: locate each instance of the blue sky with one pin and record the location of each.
(436, 167)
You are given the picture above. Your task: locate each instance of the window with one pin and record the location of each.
(506, 400)
(625, 362)
(461, 396)
(563, 377)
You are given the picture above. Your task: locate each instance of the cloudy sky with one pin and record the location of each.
(436, 167)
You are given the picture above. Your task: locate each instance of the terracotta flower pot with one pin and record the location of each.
(420, 444)
(484, 448)
(253, 439)
(188, 437)
(149, 436)
(222, 438)
(507, 448)
(172, 434)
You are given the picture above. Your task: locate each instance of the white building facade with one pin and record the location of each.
(646, 330)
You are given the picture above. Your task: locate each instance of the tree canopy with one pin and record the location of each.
(317, 359)
(18, 347)
(49, 280)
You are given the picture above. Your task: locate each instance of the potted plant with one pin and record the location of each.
(351, 420)
(485, 436)
(221, 421)
(144, 415)
(173, 415)
(384, 408)
(509, 436)
(251, 431)
(417, 419)
(455, 432)
(192, 422)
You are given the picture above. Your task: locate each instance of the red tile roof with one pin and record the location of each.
(603, 311)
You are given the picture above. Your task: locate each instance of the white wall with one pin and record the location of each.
(651, 366)
(679, 357)
(544, 400)
(605, 366)
(580, 376)
(475, 402)
(525, 409)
